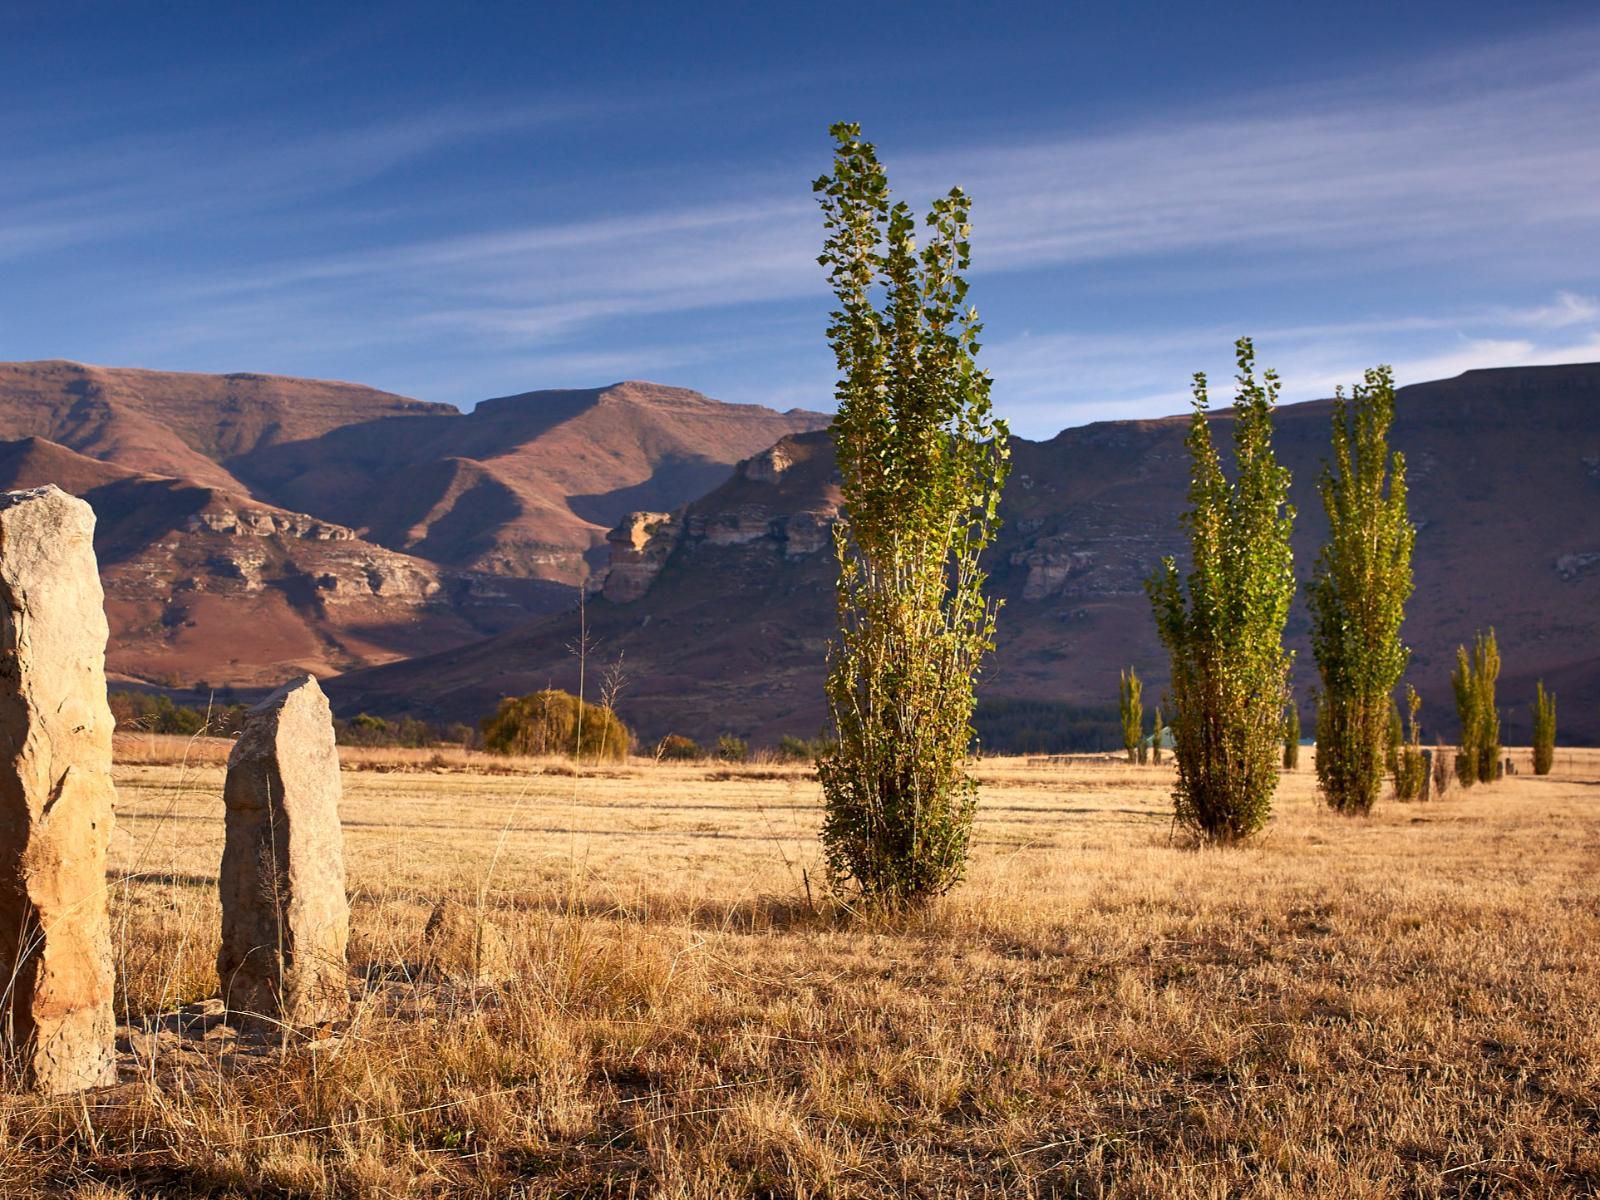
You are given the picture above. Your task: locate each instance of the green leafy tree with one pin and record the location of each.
(1486, 674)
(1223, 623)
(1409, 765)
(555, 722)
(1473, 682)
(1358, 594)
(922, 459)
(732, 748)
(1395, 739)
(1130, 701)
(1291, 738)
(677, 748)
(1465, 689)
(1544, 730)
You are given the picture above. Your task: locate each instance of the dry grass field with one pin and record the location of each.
(1406, 1005)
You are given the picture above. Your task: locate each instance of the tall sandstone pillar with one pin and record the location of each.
(285, 918)
(56, 797)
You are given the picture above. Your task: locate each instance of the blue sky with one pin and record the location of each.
(467, 200)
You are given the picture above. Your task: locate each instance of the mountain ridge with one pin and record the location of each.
(723, 608)
(345, 525)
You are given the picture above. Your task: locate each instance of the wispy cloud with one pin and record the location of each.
(1483, 160)
(1057, 379)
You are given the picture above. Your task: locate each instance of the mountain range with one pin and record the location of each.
(250, 524)
(433, 560)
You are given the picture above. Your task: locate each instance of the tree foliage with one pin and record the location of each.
(922, 459)
(1223, 623)
(1358, 594)
(1130, 705)
(555, 722)
(1544, 730)
(156, 712)
(677, 748)
(1291, 737)
(1156, 734)
(732, 748)
(1473, 682)
(1409, 766)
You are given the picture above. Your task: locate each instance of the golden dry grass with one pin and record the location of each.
(1397, 1006)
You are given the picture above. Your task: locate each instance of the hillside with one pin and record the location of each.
(720, 612)
(251, 525)
(522, 485)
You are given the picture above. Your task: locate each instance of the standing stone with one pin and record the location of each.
(285, 918)
(56, 798)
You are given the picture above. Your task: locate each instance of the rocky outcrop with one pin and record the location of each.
(56, 796)
(1050, 563)
(767, 466)
(375, 573)
(807, 532)
(285, 917)
(265, 522)
(639, 546)
(1574, 566)
(732, 527)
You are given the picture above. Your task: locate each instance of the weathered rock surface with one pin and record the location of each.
(638, 547)
(285, 917)
(56, 796)
(462, 945)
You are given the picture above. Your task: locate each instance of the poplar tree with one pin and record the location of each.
(1155, 738)
(1291, 738)
(1130, 696)
(1358, 592)
(1544, 730)
(1464, 687)
(1486, 674)
(1473, 681)
(921, 460)
(1409, 765)
(1222, 623)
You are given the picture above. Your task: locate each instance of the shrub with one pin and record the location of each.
(364, 729)
(1020, 726)
(1224, 630)
(157, 713)
(1544, 730)
(731, 748)
(921, 463)
(677, 748)
(1130, 704)
(797, 749)
(459, 734)
(555, 722)
(1357, 595)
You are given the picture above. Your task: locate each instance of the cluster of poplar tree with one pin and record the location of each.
(922, 461)
(1130, 707)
